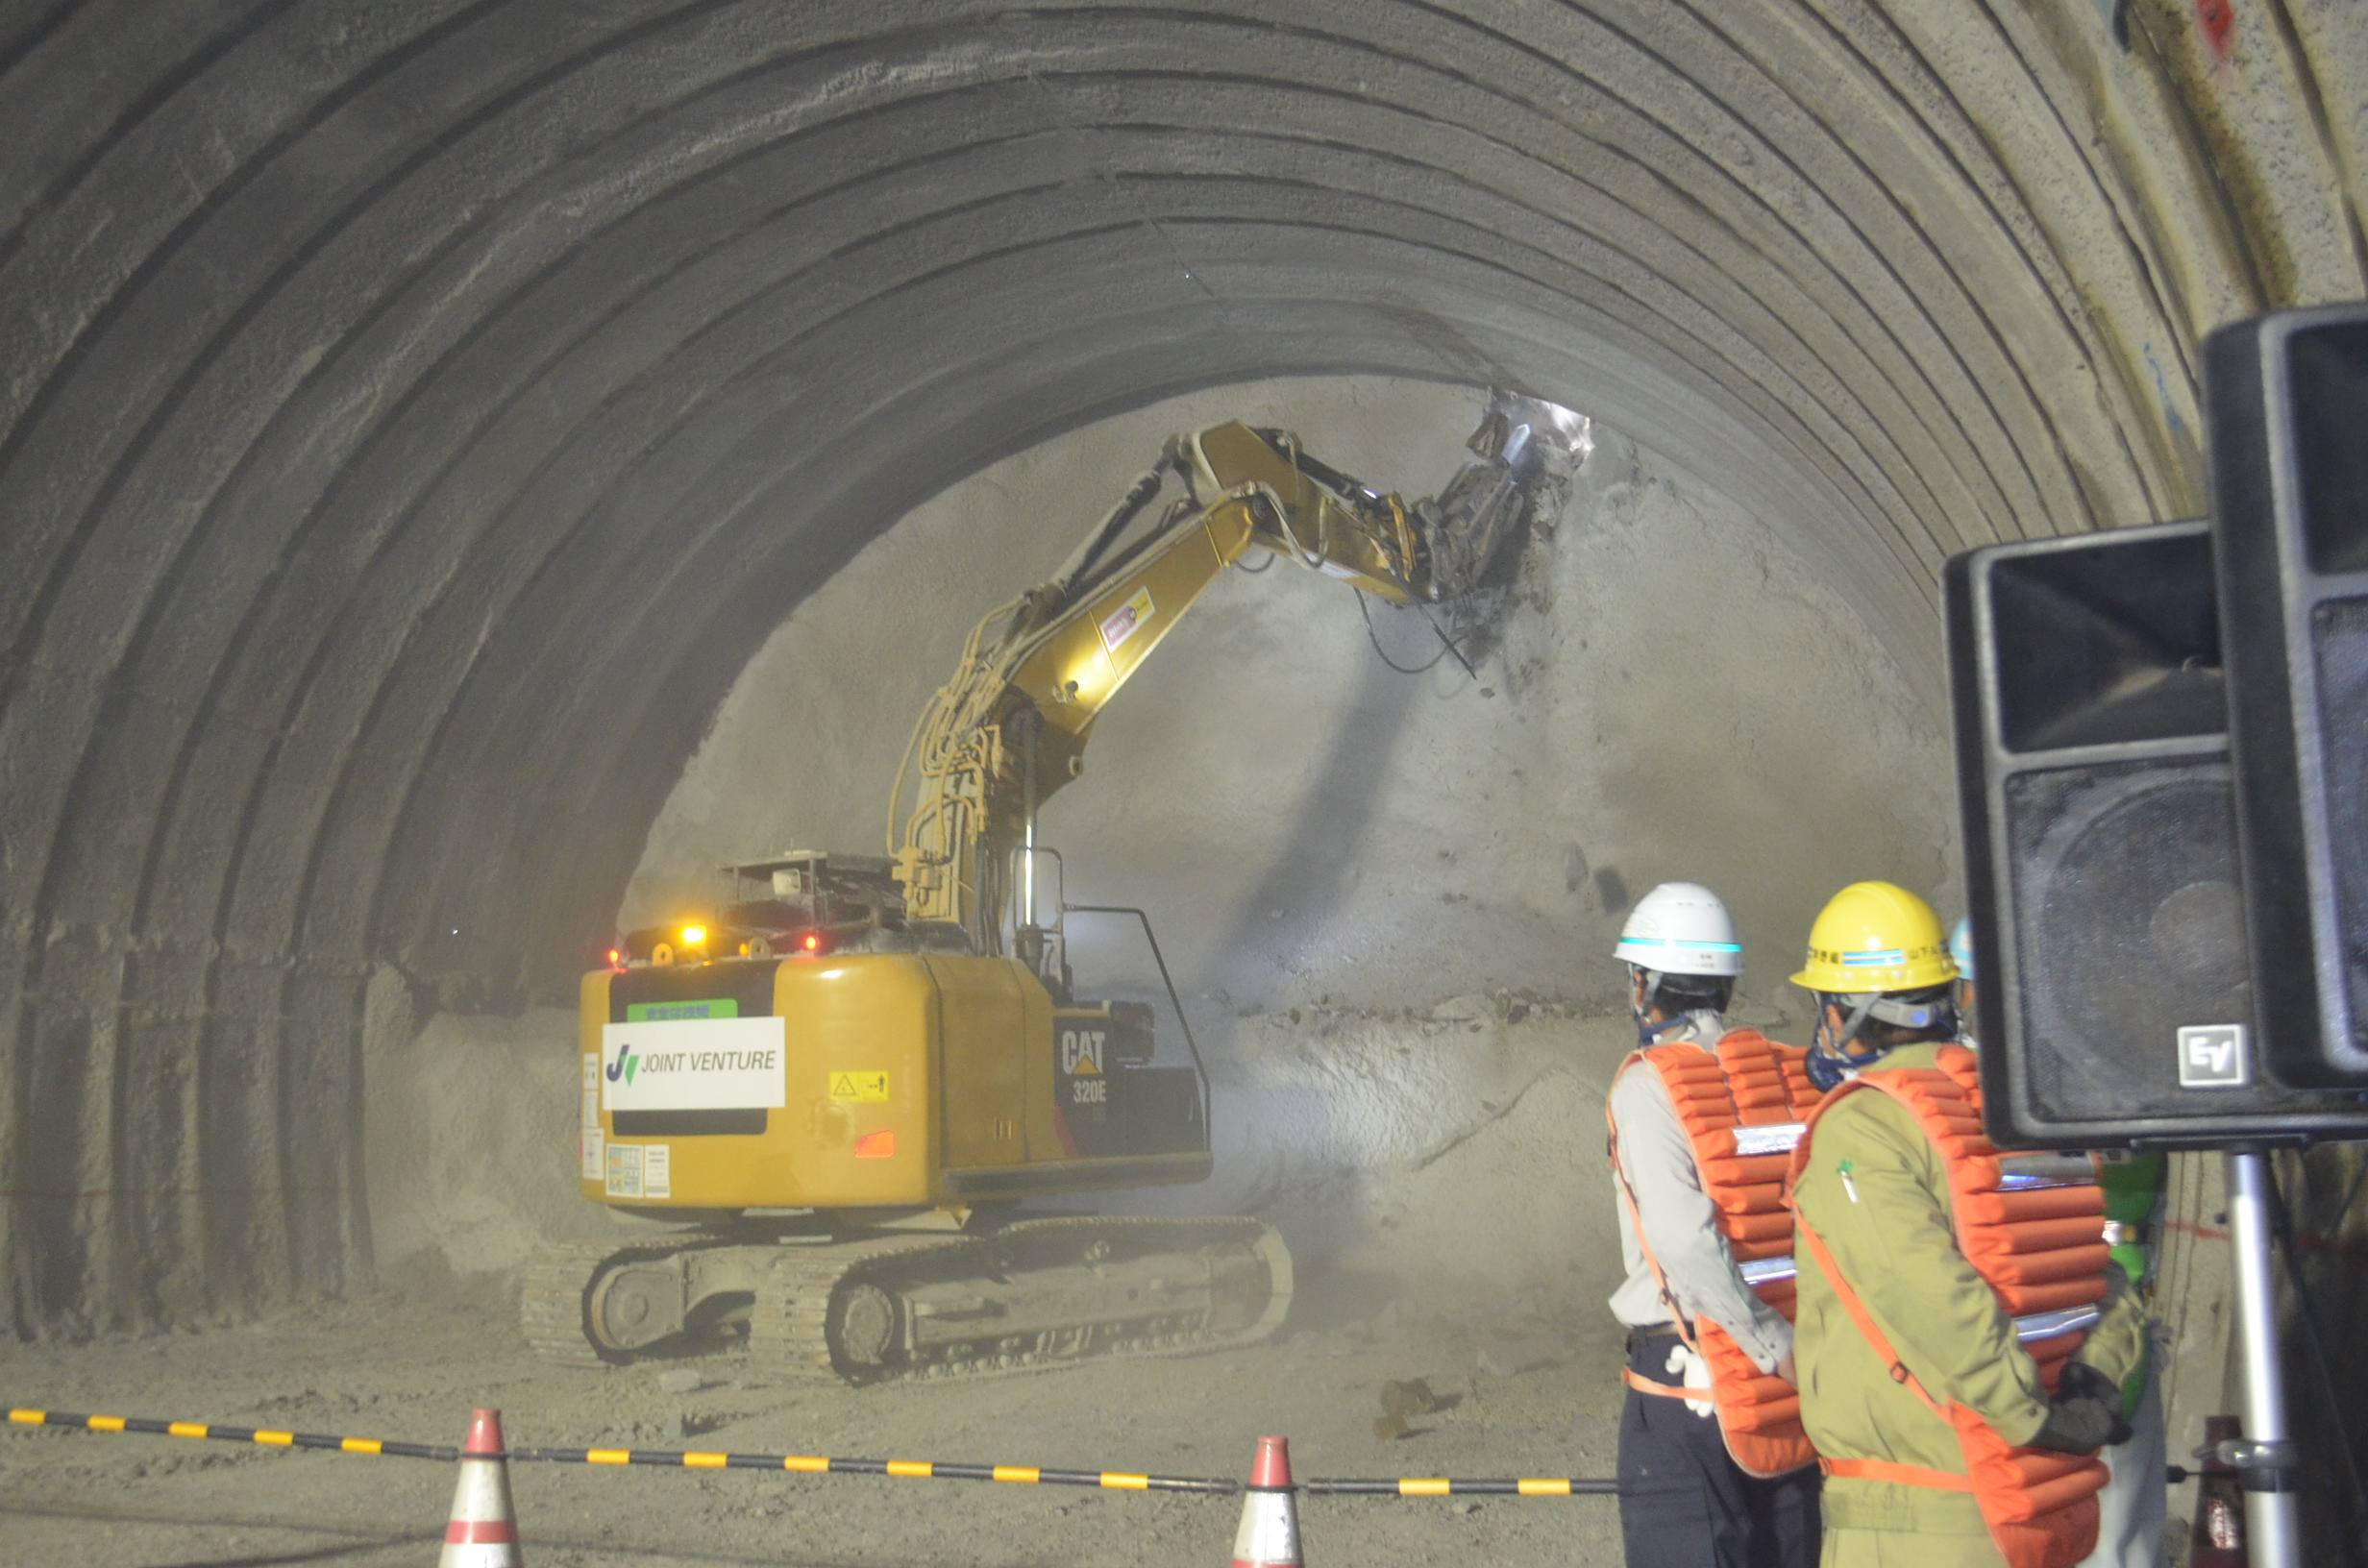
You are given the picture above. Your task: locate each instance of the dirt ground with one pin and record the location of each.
(1435, 1173)
(114, 1501)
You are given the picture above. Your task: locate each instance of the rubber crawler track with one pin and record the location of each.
(790, 1332)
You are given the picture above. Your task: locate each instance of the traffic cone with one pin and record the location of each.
(2219, 1537)
(1270, 1532)
(484, 1532)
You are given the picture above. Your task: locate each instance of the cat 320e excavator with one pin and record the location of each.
(841, 1085)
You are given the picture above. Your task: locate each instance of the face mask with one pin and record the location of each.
(1826, 1073)
(1648, 1034)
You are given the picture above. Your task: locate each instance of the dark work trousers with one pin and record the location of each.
(1684, 1504)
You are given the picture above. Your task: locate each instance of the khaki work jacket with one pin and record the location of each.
(1876, 1190)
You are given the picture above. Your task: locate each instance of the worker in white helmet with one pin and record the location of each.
(1714, 1471)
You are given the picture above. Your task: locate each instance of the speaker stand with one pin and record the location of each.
(2265, 1457)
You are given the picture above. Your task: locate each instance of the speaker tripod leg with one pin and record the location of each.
(2266, 1458)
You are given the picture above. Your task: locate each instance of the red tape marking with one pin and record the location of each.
(2350, 1256)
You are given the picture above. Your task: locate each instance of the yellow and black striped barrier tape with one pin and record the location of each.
(806, 1464)
(816, 1464)
(1447, 1486)
(223, 1432)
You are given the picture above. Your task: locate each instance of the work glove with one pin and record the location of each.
(2084, 1415)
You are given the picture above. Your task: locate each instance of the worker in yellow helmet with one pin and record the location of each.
(1960, 1338)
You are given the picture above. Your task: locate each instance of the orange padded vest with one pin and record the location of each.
(1741, 1104)
(2033, 1226)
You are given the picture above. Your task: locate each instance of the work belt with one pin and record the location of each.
(1643, 1385)
(1651, 1331)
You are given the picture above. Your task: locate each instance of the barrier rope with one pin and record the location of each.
(811, 1464)
(1444, 1486)
(221, 1433)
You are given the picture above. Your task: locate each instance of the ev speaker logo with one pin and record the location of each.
(2212, 1056)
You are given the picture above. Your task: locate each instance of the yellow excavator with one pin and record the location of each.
(840, 1085)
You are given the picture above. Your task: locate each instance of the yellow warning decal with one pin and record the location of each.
(859, 1087)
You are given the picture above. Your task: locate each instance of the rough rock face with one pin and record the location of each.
(1670, 692)
(414, 416)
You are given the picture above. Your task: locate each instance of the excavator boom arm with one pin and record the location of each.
(1010, 728)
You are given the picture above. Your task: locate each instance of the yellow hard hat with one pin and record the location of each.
(1875, 936)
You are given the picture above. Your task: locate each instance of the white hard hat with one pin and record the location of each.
(1681, 928)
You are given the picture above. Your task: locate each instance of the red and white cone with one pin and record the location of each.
(1270, 1532)
(484, 1532)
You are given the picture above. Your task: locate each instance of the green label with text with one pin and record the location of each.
(720, 1007)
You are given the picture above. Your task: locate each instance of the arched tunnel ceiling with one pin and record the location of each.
(413, 416)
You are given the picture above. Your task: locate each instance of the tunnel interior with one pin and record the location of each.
(465, 465)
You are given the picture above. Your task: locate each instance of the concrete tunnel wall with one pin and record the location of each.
(412, 417)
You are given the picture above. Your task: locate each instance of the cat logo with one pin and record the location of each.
(1082, 1051)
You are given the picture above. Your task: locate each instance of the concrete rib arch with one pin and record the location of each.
(413, 416)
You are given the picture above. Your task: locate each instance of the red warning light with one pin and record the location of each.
(616, 959)
(879, 1145)
(813, 943)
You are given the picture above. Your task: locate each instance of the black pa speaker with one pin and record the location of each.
(2285, 395)
(2100, 857)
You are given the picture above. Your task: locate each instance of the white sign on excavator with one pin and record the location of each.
(695, 1064)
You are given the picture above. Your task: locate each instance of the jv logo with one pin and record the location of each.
(2212, 1056)
(625, 1063)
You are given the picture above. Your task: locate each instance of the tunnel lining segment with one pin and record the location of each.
(363, 353)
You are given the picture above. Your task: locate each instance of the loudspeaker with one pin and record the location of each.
(2284, 395)
(2115, 999)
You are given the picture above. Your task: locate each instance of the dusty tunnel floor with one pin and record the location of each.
(1436, 1172)
(411, 1366)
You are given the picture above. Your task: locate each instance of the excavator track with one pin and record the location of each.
(897, 1308)
(555, 1295)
